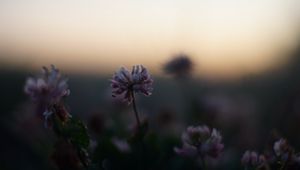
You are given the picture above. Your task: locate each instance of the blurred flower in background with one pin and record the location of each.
(179, 66)
(48, 90)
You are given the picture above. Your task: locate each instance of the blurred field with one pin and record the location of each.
(248, 111)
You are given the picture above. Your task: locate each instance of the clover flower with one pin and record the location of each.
(281, 156)
(180, 66)
(124, 84)
(48, 90)
(200, 141)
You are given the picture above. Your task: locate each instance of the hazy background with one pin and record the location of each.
(225, 38)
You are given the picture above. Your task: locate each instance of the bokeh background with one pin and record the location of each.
(245, 78)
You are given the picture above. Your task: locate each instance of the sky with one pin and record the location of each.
(224, 38)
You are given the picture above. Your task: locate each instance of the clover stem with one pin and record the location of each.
(203, 163)
(135, 110)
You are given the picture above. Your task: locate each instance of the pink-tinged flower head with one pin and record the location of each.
(125, 83)
(180, 66)
(201, 141)
(48, 90)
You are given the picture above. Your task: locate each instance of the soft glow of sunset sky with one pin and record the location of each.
(223, 37)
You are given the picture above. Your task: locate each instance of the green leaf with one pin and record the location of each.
(77, 132)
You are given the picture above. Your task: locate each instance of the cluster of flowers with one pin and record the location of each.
(49, 89)
(282, 156)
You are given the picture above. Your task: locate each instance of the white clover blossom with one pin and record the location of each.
(50, 87)
(124, 83)
(201, 141)
(48, 90)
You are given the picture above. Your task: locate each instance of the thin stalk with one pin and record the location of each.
(143, 147)
(135, 110)
(203, 163)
